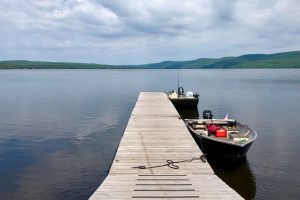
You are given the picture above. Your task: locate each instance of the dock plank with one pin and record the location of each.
(155, 134)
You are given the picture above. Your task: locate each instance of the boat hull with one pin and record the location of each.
(184, 102)
(217, 149)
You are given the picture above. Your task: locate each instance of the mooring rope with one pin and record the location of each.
(202, 148)
(170, 163)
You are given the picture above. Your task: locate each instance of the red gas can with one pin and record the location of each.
(221, 132)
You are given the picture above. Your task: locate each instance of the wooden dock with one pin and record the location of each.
(158, 159)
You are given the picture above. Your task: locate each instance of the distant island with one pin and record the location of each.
(277, 60)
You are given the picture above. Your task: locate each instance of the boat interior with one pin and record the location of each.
(180, 94)
(227, 130)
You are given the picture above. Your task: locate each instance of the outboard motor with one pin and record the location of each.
(207, 114)
(180, 91)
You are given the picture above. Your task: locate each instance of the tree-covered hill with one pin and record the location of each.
(278, 60)
(23, 64)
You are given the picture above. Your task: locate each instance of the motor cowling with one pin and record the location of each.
(180, 91)
(207, 114)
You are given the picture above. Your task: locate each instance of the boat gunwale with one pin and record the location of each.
(181, 96)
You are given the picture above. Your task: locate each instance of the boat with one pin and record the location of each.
(180, 99)
(221, 138)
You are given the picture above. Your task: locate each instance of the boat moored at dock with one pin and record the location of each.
(183, 100)
(222, 138)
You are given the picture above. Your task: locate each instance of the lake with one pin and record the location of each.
(60, 129)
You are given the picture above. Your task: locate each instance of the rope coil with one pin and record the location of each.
(171, 163)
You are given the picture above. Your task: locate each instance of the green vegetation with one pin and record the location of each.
(278, 60)
(22, 64)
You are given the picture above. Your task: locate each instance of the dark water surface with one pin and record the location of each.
(59, 129)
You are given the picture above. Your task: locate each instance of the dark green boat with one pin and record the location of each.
(234, 144)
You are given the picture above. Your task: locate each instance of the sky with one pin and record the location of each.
(145, 31)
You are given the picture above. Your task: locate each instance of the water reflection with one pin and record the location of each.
(237, 174)
(188, 113)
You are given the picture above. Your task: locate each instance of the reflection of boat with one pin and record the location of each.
(238, 175)
(225, 138)
(180, 99)
(188, 113)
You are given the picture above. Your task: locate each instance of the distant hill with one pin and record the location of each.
(278, 60)
(23, 64)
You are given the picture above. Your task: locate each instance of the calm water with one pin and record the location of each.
(59, 129)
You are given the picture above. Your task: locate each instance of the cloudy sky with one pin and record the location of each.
(144, 31)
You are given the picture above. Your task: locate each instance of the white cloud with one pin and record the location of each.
(140, 31)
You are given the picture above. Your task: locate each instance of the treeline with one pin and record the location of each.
(23, 64)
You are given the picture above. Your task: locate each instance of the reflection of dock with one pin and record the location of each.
(155, 142)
